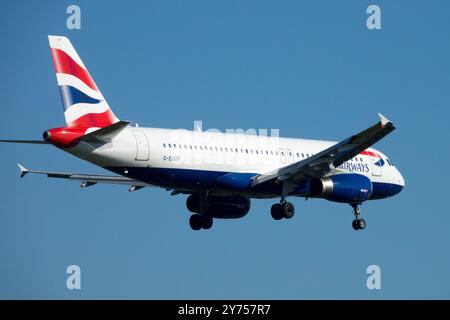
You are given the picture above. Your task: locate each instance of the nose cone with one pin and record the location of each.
(401, 180)
(399, 185)
(392, 186)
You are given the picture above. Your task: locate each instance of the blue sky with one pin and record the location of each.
(310, 68)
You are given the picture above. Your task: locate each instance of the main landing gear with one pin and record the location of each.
(200, 221)
(282, 210)
(358, 224)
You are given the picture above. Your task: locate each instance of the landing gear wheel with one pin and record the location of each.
(362, 224)
(195, 221)
(355, 224)
(207, 221)
(276, 212)
(288, 210)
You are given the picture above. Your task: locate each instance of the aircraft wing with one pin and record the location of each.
(325, 161)
(88, 179)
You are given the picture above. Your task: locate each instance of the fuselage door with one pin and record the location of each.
(142, 146)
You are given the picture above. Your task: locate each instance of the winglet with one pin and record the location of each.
(383, 119)
(23, 170)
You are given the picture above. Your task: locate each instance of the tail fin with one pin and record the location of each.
(84, 105)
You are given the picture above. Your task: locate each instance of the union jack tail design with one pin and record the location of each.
(84, 105)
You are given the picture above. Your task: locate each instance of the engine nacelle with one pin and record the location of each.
(348, 188)
(229, 207)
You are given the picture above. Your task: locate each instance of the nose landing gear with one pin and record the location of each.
(358, 224)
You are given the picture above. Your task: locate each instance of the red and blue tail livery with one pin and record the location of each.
(219, 173)
(84, 104)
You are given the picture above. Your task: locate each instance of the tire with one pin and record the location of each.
(362, 224)
(355, 224)
(195, 221)
(275, 211)
(288, 210)
(207, 221)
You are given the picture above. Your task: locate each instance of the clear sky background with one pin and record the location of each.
(310, 68)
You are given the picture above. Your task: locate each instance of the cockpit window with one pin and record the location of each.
(389, 161)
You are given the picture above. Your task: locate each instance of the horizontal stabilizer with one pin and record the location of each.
(26, 141)
(23, 170)
(86, 179)
(106, 134)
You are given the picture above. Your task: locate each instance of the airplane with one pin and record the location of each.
(219, 172)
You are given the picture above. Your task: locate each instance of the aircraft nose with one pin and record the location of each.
(401, 180)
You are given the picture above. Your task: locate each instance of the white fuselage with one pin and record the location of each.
(203, 152)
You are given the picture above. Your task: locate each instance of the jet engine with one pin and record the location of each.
(348, 188)
(222, 207)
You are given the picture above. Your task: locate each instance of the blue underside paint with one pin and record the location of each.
(236, 180)
(384, 190)
(197, 179)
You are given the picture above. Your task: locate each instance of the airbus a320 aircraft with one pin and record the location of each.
(220, 172)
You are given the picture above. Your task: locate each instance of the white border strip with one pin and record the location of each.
(70, 80)
(80, 109)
